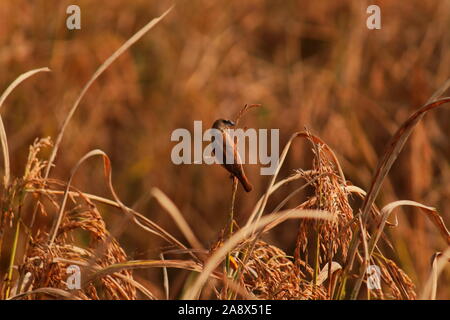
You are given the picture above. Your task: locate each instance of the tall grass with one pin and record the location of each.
(48, 224)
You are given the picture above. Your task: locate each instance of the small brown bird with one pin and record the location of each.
(229, 147)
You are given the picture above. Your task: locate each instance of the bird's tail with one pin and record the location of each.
(245, 183)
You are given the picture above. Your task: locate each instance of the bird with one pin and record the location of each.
(229, 147)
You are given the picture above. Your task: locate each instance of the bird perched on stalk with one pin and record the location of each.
(229, 148)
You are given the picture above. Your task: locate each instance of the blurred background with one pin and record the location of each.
(310, 64)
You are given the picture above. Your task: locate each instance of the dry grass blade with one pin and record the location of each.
(439, 92)
(20, 79)
(219, 255)
(5, 150)
(296, 191)
(323, 275)
(439, 223)
(274, 188)
(153, 227)
(439, 262)
(140, 264)
(176, 215)
(148, 224)
(165, 278)
(393, 150)
(435, 276)
(384, 165)
(429, 211)
(259, 208)
(97, 73)
(55, 228)
(3, 97)
(133, 282)
(244, 110)
(54, 292)
(257, 212)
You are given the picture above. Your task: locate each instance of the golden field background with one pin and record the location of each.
(310, 64)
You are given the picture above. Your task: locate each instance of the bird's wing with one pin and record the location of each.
(231, 149)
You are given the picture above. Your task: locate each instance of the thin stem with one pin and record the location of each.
(233, 199)
(316, 258)
(230, 230)
(12, 258)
